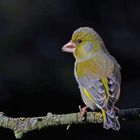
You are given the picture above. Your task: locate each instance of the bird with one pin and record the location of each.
(97, 74)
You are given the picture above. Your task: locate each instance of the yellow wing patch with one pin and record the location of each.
(103, 114)
(88, 94)
(91, 98)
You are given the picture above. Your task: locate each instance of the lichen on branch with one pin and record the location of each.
(23, 125)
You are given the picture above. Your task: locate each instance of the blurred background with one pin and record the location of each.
(36, 77)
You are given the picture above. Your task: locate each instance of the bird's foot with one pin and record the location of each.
(83, 112)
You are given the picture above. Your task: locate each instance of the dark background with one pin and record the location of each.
(36, 77)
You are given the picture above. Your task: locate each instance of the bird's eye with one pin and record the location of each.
(79, 41)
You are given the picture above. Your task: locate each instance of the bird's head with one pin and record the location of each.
(84, 42)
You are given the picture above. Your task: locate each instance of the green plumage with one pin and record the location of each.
(97, 74)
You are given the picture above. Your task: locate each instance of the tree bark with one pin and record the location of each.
(23, 125)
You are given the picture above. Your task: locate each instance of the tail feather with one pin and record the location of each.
(110, 120)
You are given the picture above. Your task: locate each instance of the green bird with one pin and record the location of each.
(97, 74)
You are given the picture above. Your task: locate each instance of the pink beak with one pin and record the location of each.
(69, 47)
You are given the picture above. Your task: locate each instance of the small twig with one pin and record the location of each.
(23, 125)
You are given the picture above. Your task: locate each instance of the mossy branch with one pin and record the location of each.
(23, 125)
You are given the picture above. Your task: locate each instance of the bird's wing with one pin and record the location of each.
(114, 81)
(102, 91)
(93, 89)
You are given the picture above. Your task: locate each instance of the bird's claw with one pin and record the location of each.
(83, 112)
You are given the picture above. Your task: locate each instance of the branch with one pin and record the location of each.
(23, 125)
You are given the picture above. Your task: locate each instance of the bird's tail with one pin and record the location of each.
(110, 120)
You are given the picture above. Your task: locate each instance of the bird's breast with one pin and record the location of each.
(85, 68)
(97, 66)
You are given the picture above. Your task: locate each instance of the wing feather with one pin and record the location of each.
(96, 89)
(99, 79)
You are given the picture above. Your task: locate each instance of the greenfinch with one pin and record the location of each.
(97, 74)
